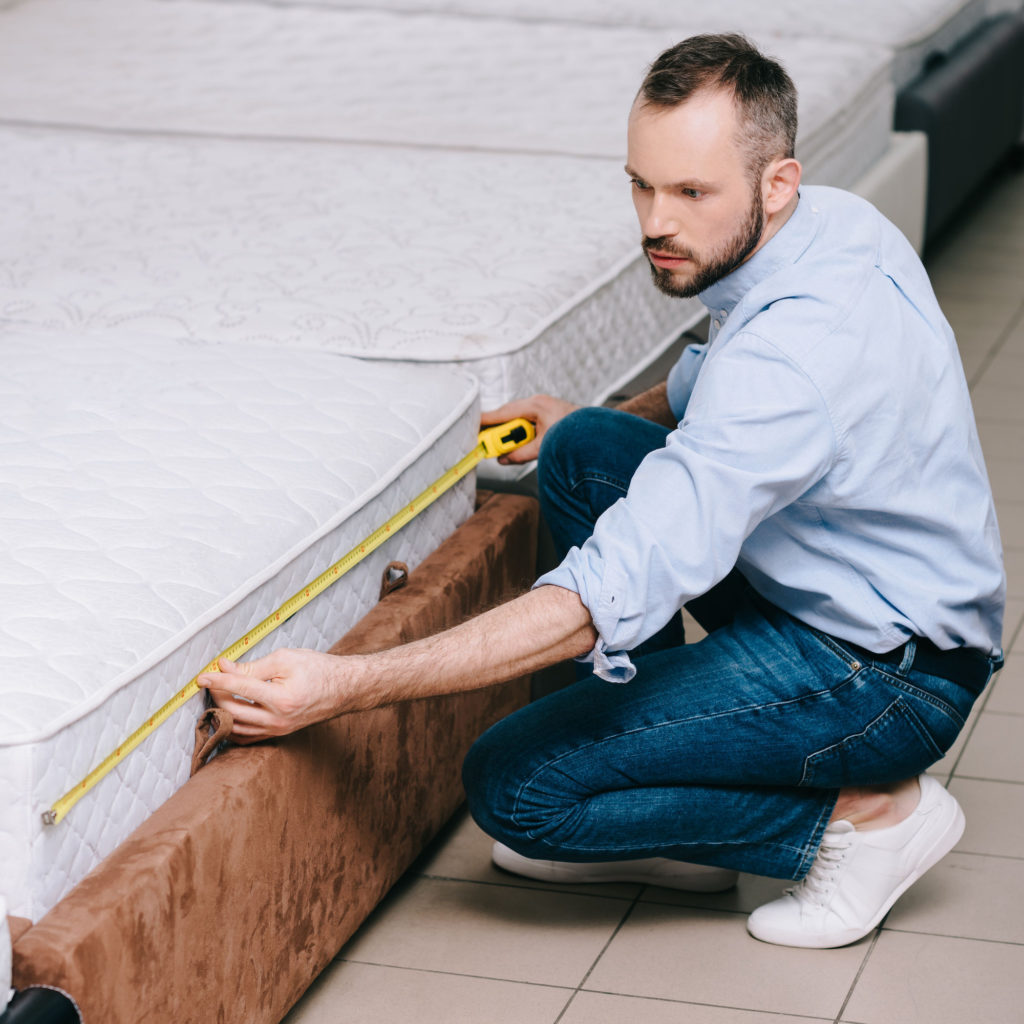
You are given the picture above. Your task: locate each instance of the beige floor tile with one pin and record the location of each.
(977, 319)
(1007, 479)
(748, 894)
(999, 403)
(944, 769)
(1013, 560)
(466, 854)
(1013, 343)
(1010, 515)
(598, 1008)
(1013, 620)
(958, 259)
(952, 278)
(489, 931)
(966, 896)
(704, 956)
(929, 979)
(1000, 439)
(995, 749)
(990, 228)
(367, 994)
(1005, 372)
(975, 359)
(1007, 693)
(995, 817)
(692, 629)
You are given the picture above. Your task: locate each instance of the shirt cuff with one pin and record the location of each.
(611, 666)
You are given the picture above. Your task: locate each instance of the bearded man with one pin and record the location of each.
(809, 484)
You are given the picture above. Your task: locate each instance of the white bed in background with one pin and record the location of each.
(913, 29)
(521, 269)
(219, 187)
(160, 499)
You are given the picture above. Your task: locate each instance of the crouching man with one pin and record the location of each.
(809, 484)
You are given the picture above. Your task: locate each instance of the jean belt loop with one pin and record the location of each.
(909, 652)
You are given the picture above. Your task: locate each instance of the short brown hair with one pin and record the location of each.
(764, 93)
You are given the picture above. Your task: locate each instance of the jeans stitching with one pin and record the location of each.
(597, 478)
(906, 686)
(898, 706)
(549, 764)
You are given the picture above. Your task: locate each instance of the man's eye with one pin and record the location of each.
(692, 193)
(639, 184)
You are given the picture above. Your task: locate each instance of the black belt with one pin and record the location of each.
(964, 665)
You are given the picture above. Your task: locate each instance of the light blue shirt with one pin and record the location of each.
(826, 448)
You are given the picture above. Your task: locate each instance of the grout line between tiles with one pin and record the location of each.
(860, 971)
(946, 935)
(712, 1006)
(967, 735)
(601, 953)
(982, 853)
(454, 974)
(527, 888)
(986, 778)
(997, 346)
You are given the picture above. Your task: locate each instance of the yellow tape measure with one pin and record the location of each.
(492, 442)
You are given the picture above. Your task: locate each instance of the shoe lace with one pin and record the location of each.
(817, 885)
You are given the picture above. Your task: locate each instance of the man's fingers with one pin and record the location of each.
(528, 408)
(525, 453)
(224, 685)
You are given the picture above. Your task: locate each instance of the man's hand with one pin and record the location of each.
(543, 411)
(284, 691)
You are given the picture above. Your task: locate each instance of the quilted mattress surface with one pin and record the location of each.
(370, 76)
(234, 200)
(912, 29)
(491, 261)
(160, 499)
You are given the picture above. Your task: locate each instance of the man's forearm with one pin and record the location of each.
(545, 626)
(290, 689)
(651, 404)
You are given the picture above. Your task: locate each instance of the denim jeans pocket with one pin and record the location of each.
(896, 744)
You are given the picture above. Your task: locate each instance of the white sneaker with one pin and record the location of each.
(857, 876)
(670, 874)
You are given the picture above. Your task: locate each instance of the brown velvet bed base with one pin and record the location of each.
(238, 891)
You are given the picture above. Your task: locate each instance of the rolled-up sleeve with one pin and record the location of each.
(756, 436)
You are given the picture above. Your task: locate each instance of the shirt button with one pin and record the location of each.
(717, 323)
(723, 313)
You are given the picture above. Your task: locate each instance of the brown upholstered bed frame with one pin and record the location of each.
(238, 891)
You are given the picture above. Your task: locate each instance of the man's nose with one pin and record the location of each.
(661, 218)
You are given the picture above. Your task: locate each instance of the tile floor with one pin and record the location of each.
(457, 941)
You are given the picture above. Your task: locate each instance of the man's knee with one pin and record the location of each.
(502, 777)
(570, 435)
(486, 778)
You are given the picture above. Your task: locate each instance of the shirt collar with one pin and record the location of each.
(782, 249)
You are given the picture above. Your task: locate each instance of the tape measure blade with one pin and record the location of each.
(273, 621)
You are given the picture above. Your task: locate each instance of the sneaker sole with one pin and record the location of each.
(707, 879)
(943, 843)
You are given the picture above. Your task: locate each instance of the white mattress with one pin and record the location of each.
(474, 259)
(913, 30)
(160, 499)
(363, 76)
(423, 250)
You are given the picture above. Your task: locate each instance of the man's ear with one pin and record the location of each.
(779, 183)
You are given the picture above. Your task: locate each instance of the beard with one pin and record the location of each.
(714, 265)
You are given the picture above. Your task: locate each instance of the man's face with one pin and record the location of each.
(698, 212)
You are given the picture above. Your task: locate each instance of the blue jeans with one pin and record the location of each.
(730, 751)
